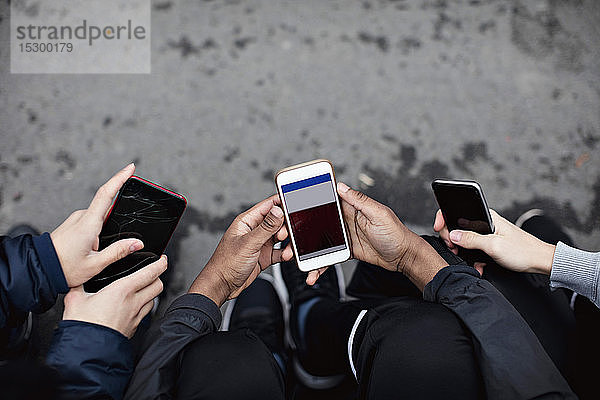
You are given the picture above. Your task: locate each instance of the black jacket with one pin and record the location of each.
(513, 363)
(188, 318)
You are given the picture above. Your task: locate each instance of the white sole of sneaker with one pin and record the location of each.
(534, 212)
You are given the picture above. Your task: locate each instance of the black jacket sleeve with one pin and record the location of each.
(30, 279)
(188, 318)
(513, 363)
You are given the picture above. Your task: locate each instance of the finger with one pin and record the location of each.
(360, 201)
(469, 240)
(288, 253)
(116, 251)
(276, 256)
(479, 267)
(145, 310)
(282, 234)
(269, 226)
(445, 236)
(279, 255)
(255, 215)
(276, 199)
(72, 301)
(439, 222)
(104, 196)
(73, 294)
(349, 214)
(312, 277)
(149, 292)
(145, 276)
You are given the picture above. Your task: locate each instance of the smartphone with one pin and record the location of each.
(141, 210)
(313, 214)
(464, 207)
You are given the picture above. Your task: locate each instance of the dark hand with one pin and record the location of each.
(245, 250)
(378, 237)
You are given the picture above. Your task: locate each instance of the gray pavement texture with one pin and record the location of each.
(395, 93)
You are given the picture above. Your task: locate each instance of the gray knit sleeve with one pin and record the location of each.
(577, 270)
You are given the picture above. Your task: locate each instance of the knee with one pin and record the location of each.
(429, 335)
(423, 349)
(229, 365)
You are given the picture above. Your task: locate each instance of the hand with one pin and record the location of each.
(120, 305)
(510, 246)
(76, 240)
(378, 237)
(245, 250)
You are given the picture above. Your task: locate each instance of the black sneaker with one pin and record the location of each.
(543, 227)
(259, 309)
(329, 285)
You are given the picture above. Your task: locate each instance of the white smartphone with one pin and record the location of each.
(313, 214)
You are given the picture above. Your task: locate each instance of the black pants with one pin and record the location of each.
(229, 365)
(402, 348)
(547, 312)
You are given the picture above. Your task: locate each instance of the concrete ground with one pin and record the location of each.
(395, 93)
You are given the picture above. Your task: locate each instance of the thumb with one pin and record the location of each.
(439, 222)
(358, 200)
(469, 239)
(267, 228)
(72, 297)
(117, 250)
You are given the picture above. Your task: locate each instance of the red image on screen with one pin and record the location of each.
(317, 228)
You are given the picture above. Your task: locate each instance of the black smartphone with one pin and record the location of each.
(464, 207)
(142, 210)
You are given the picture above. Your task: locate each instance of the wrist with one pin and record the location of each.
(420, 262)
(542, 259)
(212, 285)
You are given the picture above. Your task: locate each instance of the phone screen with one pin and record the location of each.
(314, 216)
(142, 211)
(463, 207)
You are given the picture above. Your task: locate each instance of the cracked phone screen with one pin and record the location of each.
(144, 212)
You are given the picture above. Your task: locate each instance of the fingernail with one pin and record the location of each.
(455, 236)
(131, 165)
(342, 187)
(277, 212)
(136, 245)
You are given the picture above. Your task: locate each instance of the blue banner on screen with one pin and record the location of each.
(314, 216)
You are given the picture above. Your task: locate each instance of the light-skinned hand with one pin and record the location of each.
(76, 240)
(120, 305)
(245, 250)
(509, 246)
